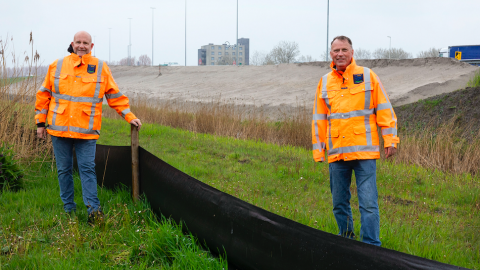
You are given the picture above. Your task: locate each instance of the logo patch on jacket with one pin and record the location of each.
(91, 69)
(357, 78)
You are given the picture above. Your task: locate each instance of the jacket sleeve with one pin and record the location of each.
(319, 125)
(115, 99)
(43, 97)
(386, 118)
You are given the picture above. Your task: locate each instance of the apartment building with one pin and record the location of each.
(225, 54)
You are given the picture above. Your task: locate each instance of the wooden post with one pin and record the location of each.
(135, 167)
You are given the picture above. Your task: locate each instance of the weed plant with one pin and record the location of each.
(475, 80)
(10, 174)
(35, 232)
(424, 212)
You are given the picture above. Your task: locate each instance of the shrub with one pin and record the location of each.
(10, 174)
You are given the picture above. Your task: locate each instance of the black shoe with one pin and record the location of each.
(96, 217)
(348, 234)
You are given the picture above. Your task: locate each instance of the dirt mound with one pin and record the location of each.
(406, 81)
(439, 110)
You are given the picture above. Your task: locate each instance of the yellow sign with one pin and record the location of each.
(458, 55)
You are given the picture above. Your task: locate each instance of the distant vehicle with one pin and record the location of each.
(465, 53)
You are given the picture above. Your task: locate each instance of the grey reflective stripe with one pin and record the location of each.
(368, 97)
(318, 146)
(327, 102)
(319, 116)
(77, 99)
(58, 128)
(322, 159)
(388, 131)
(353, 149)
(58, 70)
(124, 112)
(384, 106)
(97, 93)
(43, 89)
(85, 131)
(351, 114)
(391, 109)
(117, 95)
(44, 111)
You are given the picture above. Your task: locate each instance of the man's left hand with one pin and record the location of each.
(390, 151)
(137, 123)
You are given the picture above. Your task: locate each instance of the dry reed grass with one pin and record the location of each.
(445, 148)
(17, 98)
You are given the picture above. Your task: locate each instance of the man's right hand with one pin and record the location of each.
(41, 133)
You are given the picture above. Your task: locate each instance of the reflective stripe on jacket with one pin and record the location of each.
(347, 109)
(71, 97)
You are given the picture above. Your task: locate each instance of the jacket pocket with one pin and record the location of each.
(333, 133)
(93, 79)
(60, 109)
(96, 112)
(361, 88)
(361, 129)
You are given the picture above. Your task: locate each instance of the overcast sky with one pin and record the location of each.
(413, 25)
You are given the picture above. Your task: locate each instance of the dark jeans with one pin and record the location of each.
(85, 151)
(340, 180)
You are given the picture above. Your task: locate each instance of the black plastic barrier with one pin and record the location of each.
(252, 238)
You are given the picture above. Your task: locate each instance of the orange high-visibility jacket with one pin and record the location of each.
(346, 112)
(71, 97)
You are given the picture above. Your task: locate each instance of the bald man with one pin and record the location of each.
(69, 108)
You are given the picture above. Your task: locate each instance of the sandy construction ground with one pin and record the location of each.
(406, 81)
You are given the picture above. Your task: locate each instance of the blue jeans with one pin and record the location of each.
(85, 150)
(340, 180)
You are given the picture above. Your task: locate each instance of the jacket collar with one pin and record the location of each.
(348, 70)
(77, 60)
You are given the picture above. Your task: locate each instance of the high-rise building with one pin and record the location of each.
(224, 54)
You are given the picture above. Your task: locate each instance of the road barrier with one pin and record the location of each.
(252, 238)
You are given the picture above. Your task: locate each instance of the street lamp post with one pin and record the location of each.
(236, 56)
(390, 48)
(152, 34)
(185, 32)
(328, 11)
(109, 42)
(130, 44)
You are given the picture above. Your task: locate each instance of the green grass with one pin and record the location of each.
(35, 233)
(7, 81)
(475, 80)
(423, 212)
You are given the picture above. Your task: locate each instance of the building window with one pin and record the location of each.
(213, 53)
(240, 53)
(219, 47)
(212, 64)
(240, 59)
(226, 53)
(213, 47)
(219, 53)
(233, 53)
(240, 48)
(213, 59)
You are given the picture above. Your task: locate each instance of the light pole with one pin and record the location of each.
(185, 32)
(390, 49)
(152, 34)
(328, 11)
(109, 42)
(130, 44)
(236, 56)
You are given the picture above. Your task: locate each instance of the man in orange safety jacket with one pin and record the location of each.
(349, 104)
(70, 102)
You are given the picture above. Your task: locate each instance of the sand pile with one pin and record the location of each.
(406, 81)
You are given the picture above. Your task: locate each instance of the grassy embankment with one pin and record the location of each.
(424, 212)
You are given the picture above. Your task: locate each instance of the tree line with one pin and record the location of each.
(289, 52)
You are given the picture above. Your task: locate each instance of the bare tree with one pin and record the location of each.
(432, 52)
(362, 54)
(257, 58)
(225, 60)
(324, 56)
(285, 52)
(124, 61)
(306, 58)
(144, 60)
(393, 53)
